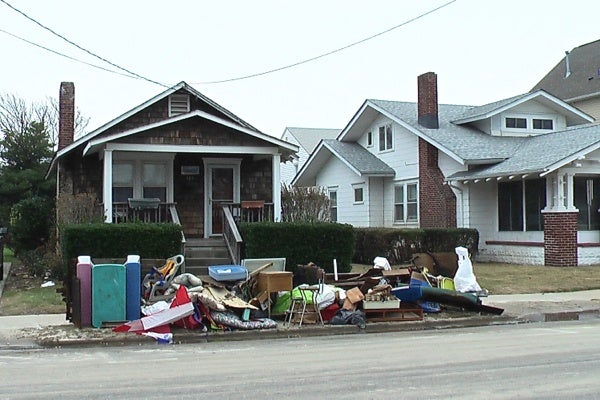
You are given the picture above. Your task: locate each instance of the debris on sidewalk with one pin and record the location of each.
(232, 298)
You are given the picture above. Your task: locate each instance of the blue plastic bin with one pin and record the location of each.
(227, 272)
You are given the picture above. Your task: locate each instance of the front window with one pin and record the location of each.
(122, 182)
(406, 202)
(520, 205)
(587, 201)
(386, 138)
(333, 205)
(155, 181)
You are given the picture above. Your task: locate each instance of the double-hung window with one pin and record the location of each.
(333, 205)
(155, 181)
(386, 137)
(406, 202)
(122, 175)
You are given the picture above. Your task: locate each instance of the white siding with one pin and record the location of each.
(530, 109)
(336, 173)
(289, 168)
(376, 196)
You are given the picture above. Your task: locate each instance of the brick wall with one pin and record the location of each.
(427, 105)
(560, 239)
(437, 202)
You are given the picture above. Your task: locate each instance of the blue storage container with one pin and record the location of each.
(227, 272)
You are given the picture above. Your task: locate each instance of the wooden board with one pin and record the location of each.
(404, 313)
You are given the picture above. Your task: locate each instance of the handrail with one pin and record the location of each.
(175, 219)
(232, 236)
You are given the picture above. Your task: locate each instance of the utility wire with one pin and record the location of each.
(66, 56)
(81, 48)
(329, 52)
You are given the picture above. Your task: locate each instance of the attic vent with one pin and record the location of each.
(179, 104)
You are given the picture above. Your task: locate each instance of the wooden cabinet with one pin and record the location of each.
(273, 282)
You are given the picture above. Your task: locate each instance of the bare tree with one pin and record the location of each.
(304, 204)
(16, 115)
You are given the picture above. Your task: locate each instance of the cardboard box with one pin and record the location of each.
(353, 296)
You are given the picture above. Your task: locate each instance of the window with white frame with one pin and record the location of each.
(370, 139)
(333, 205)
(520, 205)
(515, 123)
(543, 123)
(142, 178)
(386, 138)
(406, 208)
(359, 194)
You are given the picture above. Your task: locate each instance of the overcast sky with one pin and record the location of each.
(482, 51)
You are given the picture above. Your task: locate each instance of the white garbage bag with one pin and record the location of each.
(464, 279)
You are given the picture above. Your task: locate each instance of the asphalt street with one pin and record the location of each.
(556, 360)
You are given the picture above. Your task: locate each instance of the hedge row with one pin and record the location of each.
(120, 240)
(398, 245)
(301, 243)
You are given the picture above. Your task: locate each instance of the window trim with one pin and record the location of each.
(331, 190)
(405, 202)
(523, 211)
(529, 118)
(138, 161)
(386, 131)
(355, 188)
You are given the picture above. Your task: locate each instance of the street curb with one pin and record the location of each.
(182, 336)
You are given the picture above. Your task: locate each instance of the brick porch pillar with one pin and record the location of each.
(560, 239)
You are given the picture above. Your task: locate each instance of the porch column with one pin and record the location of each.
(107, 186)
(276, 187)
(560, 222)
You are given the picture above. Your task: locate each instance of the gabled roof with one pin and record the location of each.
(573, 115)
(149, 102)
(541, 154)
(309, 138)
(461, 142)
(355, 157)
(584, 78)
(230, 120)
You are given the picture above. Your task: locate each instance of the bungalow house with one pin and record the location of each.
(178, 157)
(576, 78)
(306, 139)
(523, 171)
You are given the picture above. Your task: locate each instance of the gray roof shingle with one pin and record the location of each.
(468, 143)
(584, 80)
(359, 158)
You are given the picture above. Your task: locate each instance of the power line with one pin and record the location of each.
(81, 48)
(329, 52)
(66, 56)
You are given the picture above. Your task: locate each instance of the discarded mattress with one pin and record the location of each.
(229, 318)
(227, 272)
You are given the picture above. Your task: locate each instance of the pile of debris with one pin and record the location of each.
(232, 297)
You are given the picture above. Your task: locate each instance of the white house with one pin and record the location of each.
(523, 171)
(307, 140)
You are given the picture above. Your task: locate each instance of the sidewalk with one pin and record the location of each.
(53, 330)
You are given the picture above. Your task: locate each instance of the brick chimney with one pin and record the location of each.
(427, 106)
(66, 114)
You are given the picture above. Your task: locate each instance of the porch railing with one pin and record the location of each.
(232, 236)
(251, 211)
(160, 212)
